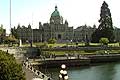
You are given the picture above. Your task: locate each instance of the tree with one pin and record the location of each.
(104, 41)
(9, 69)
(1, 29)
(10, 40)
(2, 34)
(14, 32)
(105, 28)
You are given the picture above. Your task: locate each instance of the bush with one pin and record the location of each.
(44, 45)
(51, 41)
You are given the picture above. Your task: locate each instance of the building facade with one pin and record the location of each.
(83, 33)
(117, 34)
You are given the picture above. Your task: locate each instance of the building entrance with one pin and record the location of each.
(59, 36)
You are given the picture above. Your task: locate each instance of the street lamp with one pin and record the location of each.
(63, 73)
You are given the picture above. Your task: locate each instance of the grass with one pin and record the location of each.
(66, 44)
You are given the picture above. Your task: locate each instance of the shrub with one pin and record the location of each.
(51, 41)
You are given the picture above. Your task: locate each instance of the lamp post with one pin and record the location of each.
(63, 73)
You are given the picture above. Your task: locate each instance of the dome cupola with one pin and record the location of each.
(55, 13)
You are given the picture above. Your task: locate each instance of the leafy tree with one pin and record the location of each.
(9, 69)
(105, 28)
(12, 38)
(104, 41)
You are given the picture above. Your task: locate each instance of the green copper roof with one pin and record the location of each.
(56, 12)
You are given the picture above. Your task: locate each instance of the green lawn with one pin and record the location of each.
(114, 44)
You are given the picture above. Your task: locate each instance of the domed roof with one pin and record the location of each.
(55, 13)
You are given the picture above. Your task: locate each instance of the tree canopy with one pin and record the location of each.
(105, 28)
(9, 69)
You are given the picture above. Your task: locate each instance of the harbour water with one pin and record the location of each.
(108, 71)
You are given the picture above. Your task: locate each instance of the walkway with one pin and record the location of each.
(29, 74)
(33, 73)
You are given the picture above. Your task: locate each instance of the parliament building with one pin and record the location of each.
(57, 28)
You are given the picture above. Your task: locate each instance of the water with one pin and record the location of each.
(108, 71)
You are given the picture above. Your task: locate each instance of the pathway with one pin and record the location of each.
(31, 72)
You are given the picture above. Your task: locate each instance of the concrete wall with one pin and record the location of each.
(21, 52)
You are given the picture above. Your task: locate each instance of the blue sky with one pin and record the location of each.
(76, 12)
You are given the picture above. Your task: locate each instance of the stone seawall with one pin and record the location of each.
(90, 60)
(105, 58)
(69, 63)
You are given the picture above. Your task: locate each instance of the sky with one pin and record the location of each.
(76, 12)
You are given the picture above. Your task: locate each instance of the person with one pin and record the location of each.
(78, 56)
(27, 59)
(7, 50)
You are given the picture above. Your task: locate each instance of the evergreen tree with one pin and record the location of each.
(105, 29)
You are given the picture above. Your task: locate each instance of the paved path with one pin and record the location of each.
(29, 74)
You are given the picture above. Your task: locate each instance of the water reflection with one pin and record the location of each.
(103, 72)
(117, 72)
(108, 71)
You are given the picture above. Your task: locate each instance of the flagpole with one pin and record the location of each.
(10, 17)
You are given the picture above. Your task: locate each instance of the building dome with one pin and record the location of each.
(55, 13)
